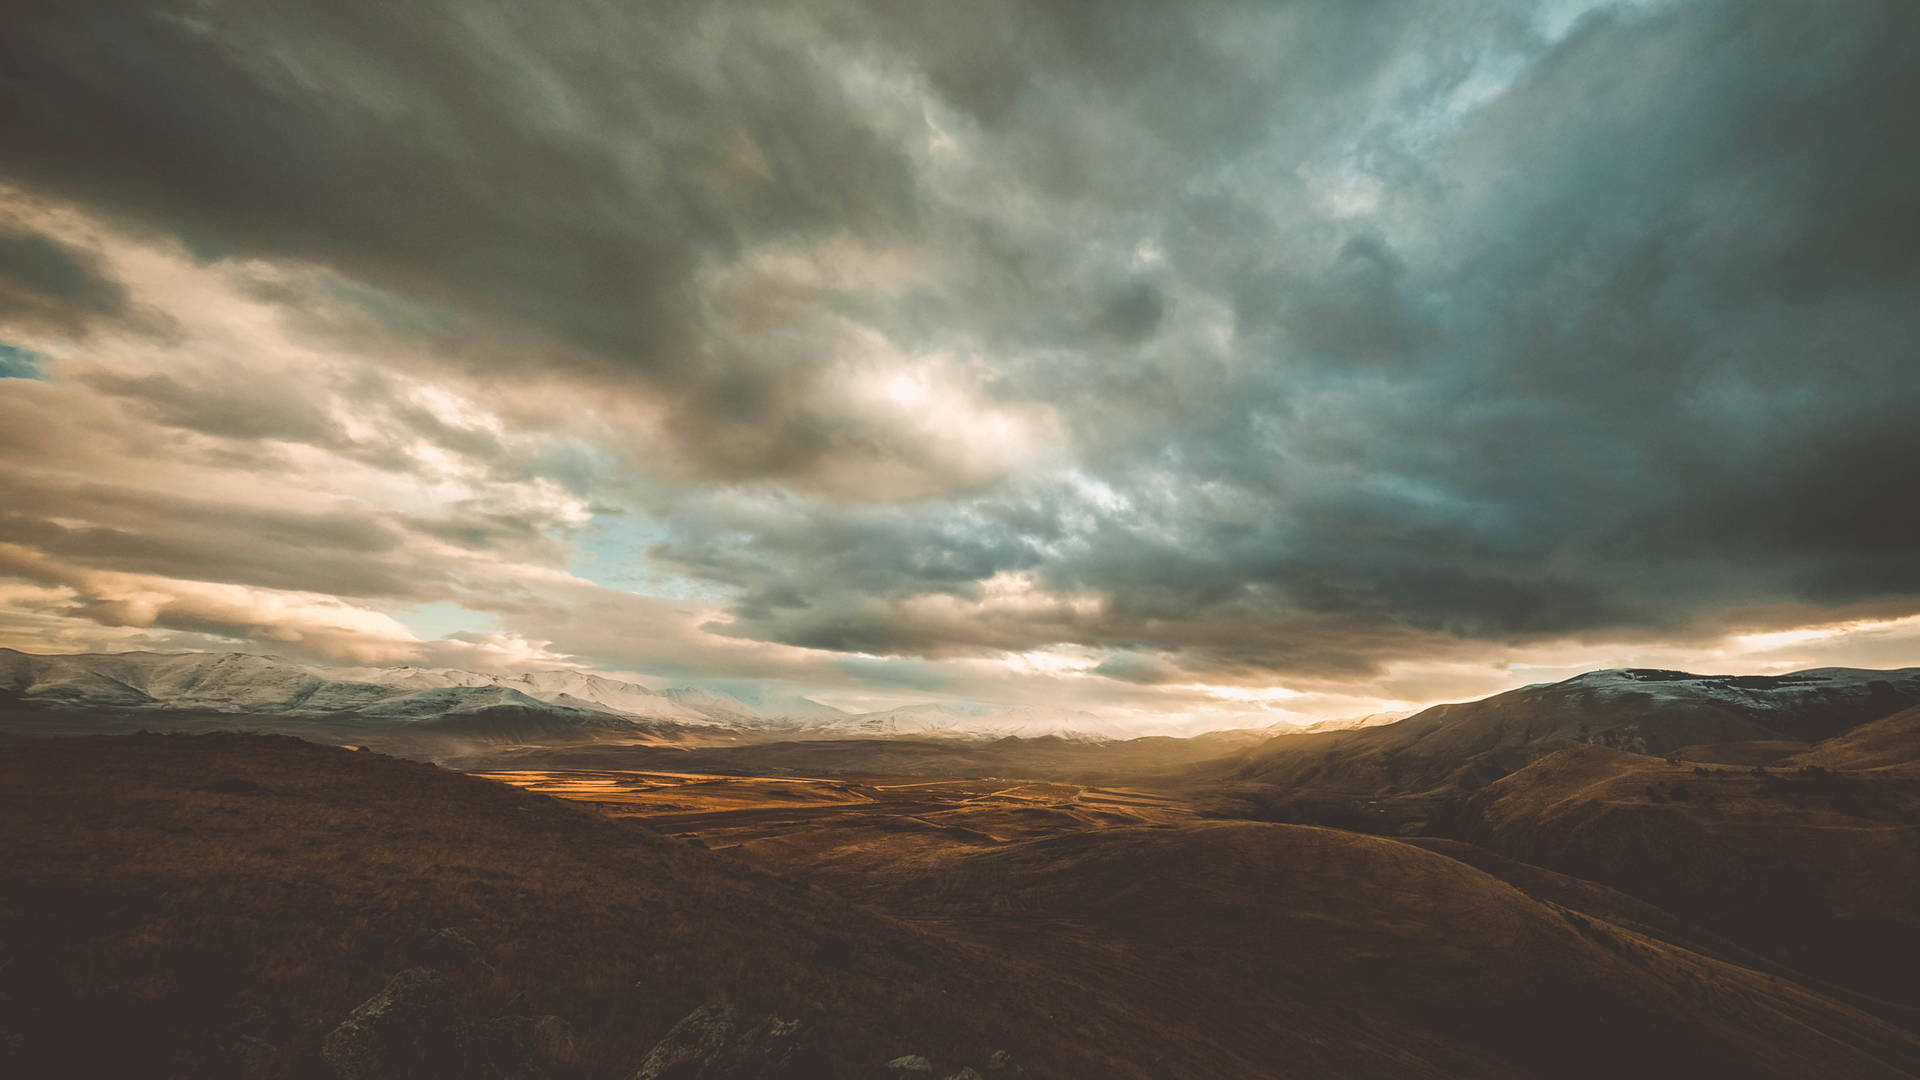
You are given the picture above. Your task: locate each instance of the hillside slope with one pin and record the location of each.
(1416, 960)
(1892, 742)
(1817, 868)
(188, 892)
(184, 893)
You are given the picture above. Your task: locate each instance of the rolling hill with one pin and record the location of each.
(1357, 942)
(201, 895)
(1891, 742)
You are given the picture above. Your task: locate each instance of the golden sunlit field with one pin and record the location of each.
(761, 813)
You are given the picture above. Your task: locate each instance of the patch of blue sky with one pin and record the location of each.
(431, 622)
(612, 551)
(19, 363)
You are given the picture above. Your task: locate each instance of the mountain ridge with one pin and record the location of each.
(1460, 745)
(1464, 745)
(248, 683)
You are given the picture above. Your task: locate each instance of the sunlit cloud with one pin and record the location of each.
(323, 626)
(1302, 380)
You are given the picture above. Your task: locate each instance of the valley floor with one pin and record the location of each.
(759, 814)
(934, 854)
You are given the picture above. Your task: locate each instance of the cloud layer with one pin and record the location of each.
(1135, 355)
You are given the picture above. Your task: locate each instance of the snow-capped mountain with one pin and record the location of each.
(936, 720)
(580, 689)
(270, 686)
(450, 701)
(716, 708)
(212, 682)
(1758, 695)
(1351, 723)
(789, 706)
(1633, 708)
(1034, 722)
(243, 683)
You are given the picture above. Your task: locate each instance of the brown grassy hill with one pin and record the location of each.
(1892, 742)
(1199, 919)
(1597, 900)
(1748, 754)
(167, 896)
(1818, 869)
(1352, 943)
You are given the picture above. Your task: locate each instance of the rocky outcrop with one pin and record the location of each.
(412, 1030)
(391, 1034)
(715, 1043)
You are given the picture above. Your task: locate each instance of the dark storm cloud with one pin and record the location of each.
(1368, 328)
(390, 428)
(1134, 668)
(568, 171)
(1629, 345)
(232, 409)
(578, 169)
(47, 283)
(340, 550)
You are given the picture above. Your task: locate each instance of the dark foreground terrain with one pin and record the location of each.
(219, 904)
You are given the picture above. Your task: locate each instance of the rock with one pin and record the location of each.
(908, 1067)
(1002, 1065)
(409, 1031)
(715, 1043)
(699, 1037)
(450, 950)
(966, 1073)
(398, 1032)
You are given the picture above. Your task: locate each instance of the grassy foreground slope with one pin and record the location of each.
(1428, 964)
(181, 892)
(167, 896)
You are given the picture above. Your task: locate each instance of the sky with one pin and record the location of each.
(1203, 364)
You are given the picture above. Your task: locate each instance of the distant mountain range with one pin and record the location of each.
(584, 703)
(1444, 748)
